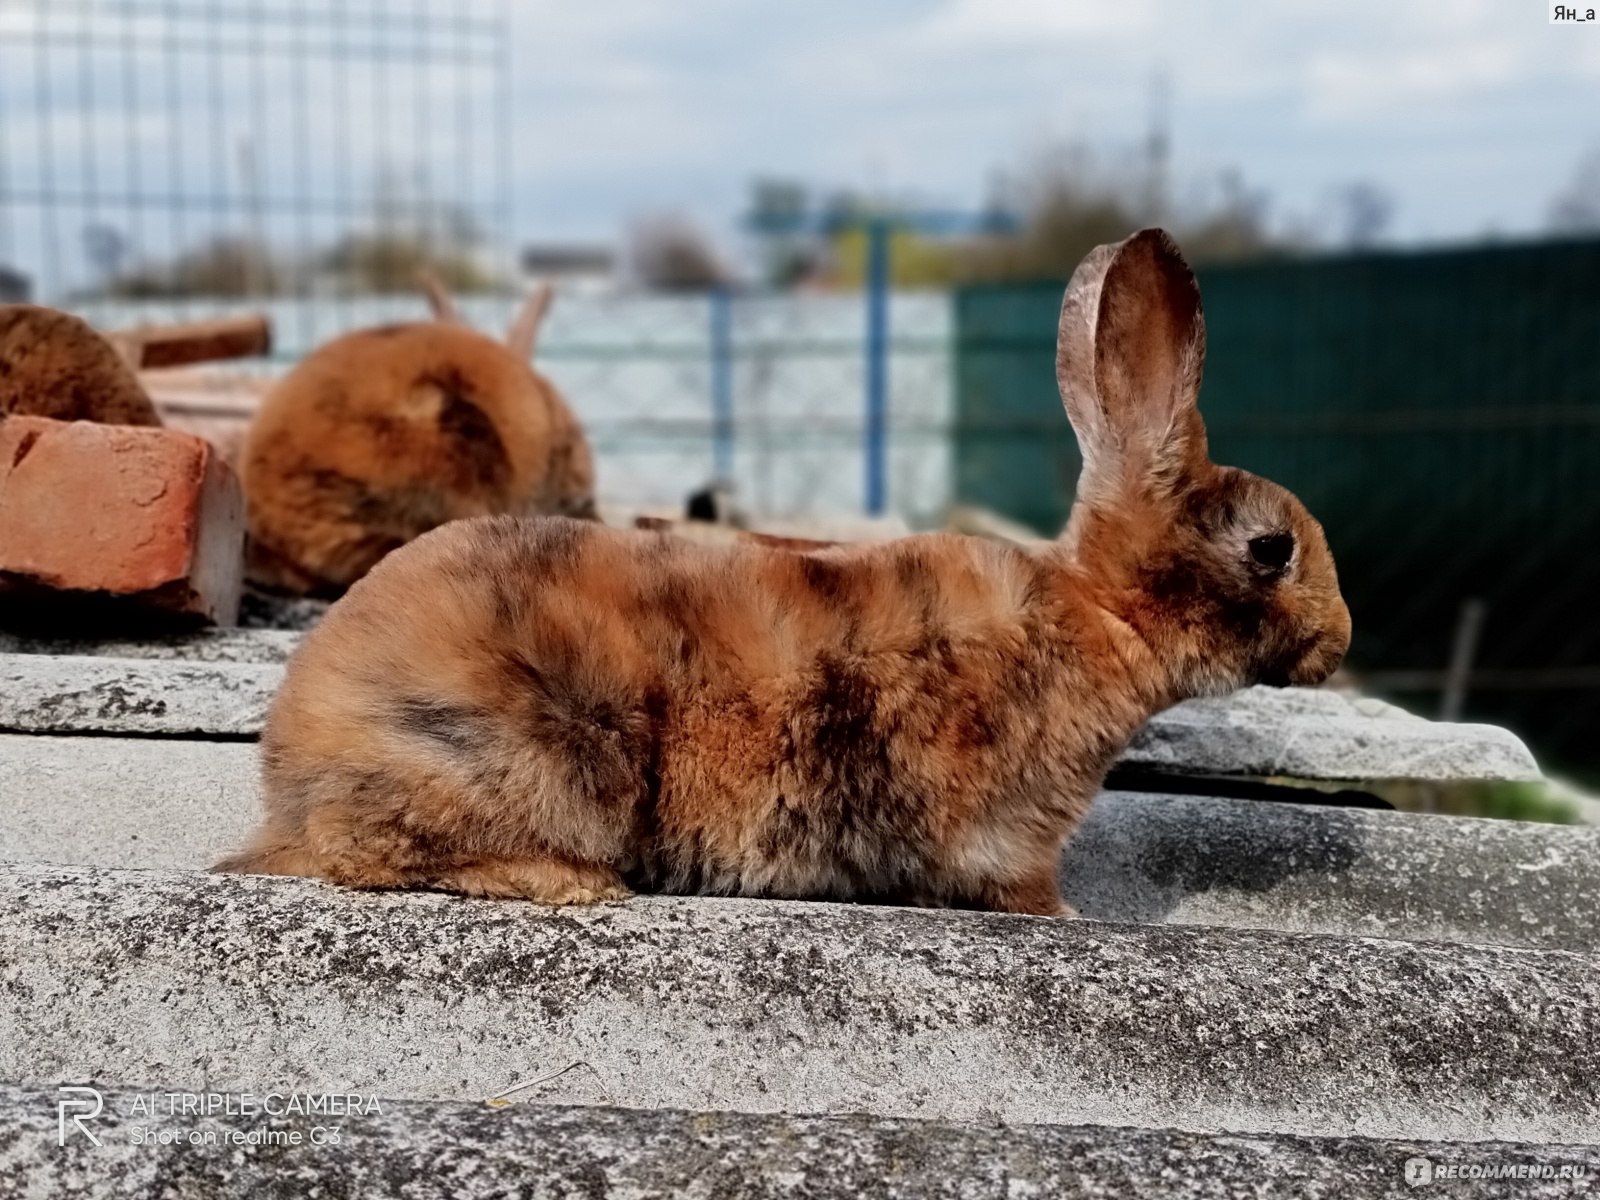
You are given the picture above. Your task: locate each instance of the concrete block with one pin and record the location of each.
(181, 981)
(1310, 733)
(420, 1151)
(149, 517)
(1195, 860)
(264, 610)
(199, 645)
(41, 693)
(143, 802)
(125, 802)
(1292, 732)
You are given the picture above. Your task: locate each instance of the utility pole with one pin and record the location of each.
(1158, 148)
(879, 225)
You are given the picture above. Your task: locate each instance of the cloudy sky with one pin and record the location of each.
(1472, 114)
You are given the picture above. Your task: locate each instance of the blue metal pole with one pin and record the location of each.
(722, 383)
(876, 432)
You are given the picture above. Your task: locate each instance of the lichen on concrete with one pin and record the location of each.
(175, 979)
(1195, 860)
(418, 1151)
(195, 646)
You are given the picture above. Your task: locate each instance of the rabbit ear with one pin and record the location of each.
(1128, 359)
(524, 333)
(439, 300)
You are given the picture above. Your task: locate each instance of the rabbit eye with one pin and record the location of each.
(1272, 551)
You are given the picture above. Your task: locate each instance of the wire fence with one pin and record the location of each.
(190, 159)
(249, 147)
(1438, 412)
(644, 373)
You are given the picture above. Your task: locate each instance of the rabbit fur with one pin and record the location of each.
(53, 364)
(549, 709)
(381, 435)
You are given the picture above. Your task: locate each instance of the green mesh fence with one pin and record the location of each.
(1438, 412)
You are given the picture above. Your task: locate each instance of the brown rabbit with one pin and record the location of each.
(53, 364)
(381, 435)
(561, 711)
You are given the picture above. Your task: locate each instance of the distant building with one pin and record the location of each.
(590, 268)
(15, 287)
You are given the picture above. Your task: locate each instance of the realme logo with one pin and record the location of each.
(84, 1105)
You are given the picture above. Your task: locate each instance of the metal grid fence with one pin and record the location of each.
(153, 145)
(189, 159)
(644, 373)
(1439, 412)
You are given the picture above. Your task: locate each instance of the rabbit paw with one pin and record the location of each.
(544, 880)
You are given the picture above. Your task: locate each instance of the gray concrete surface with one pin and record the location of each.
(42, 693)
(1307, 733)
(1294, 732)
(262, 610)
(144, 802)
(125, 802)
(201, 645)
(179, 981)
(1294, 867)
(419, 1150)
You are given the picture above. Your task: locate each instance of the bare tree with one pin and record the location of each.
(1072, 203)
(106, 248)
(1576, 209)
(390, 262)
(219, 266)
(410, 230)
(1232, 228)
(1069, 206)
(671, 253)
(1363, 211)
(781, 218)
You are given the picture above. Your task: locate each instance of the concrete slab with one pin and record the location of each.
(203, 645)
(183, 981)
(145, 802)
(420, 1151)
(1296, 732)
(1308, 733)
(1246, 863)
(42, 693)
(125, 802)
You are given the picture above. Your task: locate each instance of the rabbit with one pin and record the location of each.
(569, 713)
(53, 364)
(380, 435)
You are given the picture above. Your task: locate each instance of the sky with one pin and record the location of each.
(1471, 115)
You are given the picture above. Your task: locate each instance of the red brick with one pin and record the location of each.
(151, 517)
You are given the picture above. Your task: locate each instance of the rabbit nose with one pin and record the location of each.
(1339, 632)
(1323, 657)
